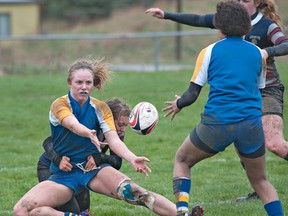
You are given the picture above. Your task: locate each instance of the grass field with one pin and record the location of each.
(25, 102)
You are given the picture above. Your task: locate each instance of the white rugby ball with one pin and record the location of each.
(143, 118)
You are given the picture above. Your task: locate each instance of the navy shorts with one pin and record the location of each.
(76, 179)
(247, 136)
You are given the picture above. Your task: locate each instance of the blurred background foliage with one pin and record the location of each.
(86, 9)
(106, 18)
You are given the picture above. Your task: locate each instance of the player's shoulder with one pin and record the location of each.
(266, 20)
(60, 101)
(99, 105)
(265, 23)
(98, 102)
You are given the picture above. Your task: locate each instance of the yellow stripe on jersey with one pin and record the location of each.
(60, 108)
(108, 116)
(198, 65)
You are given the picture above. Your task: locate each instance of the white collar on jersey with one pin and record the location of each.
(256, 19)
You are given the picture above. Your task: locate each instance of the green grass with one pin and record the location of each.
(217, 181)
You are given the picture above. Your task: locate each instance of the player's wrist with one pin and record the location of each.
(57, 159)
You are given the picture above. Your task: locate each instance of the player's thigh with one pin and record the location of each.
(107, 181)
(255, 168)
(189, 153)
(47, 193)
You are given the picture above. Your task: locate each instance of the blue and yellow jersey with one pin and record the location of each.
(94, 114)
(233, 69)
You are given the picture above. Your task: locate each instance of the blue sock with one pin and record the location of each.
(181, 188)
(274, 208)
(69, 214)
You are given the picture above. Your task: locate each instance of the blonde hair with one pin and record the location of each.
(98, 68)
(269, 10)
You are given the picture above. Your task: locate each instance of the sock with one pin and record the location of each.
(181, 188)
(274, 208)
(69, 214)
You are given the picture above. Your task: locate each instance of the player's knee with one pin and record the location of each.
(28, 207)
(134, 195)
(23, 207)
(17, 210)
(271, 146)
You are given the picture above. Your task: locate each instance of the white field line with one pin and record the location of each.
(5, 169)
(2, 169)
(6, 212)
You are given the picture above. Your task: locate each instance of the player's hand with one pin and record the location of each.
(264, 54)
(95, 140)
(156, 12)
(103, 144)
(65, 164)
(139, 164)
(90, 163)
(172, 108)
(264, 58)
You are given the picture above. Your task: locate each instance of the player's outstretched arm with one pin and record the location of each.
(155, 12)
(119, 148)
(172, 108)
(197, 20)
(187, 98)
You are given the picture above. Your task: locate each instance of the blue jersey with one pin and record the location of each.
(94, 114)
(264, 33)
(233, 68)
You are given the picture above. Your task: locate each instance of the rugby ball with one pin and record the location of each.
(143, 118)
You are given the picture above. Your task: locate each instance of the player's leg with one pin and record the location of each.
(272, 120)
(186, 157)
(71, 206)
(41, 197)
(122, 187)
(43, 173)
(256, 172)
(251, 150)
(272, 109)
(274, 138)
(83, 200)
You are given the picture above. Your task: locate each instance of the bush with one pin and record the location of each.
(74, 10)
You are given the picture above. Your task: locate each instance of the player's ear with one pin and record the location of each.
(69, 82)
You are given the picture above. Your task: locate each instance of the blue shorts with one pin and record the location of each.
(76, 179)
(247, 136)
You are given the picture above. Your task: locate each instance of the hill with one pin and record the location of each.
(135, 19)
(38, 56)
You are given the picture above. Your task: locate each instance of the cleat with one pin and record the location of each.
(85, 213)
(197, 210)
(251, 196)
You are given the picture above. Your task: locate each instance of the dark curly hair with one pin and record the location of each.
(232, 19)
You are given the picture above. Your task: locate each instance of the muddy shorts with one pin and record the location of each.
(247, 136)
(272, 100)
